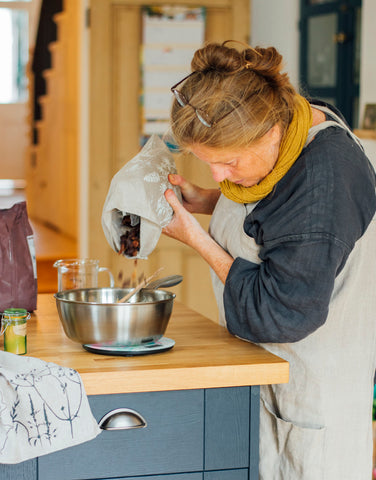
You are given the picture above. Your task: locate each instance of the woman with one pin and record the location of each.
(292, 249)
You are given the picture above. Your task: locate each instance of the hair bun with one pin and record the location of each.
(266, 62)
(216, 57)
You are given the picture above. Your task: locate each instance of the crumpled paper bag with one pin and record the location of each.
(136, 194)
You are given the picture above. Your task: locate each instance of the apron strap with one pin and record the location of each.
(337, 122)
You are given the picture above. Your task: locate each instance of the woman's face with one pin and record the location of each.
(246, 166)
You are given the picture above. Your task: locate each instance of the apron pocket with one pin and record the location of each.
(289, 451)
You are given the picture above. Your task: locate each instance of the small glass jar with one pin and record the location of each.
(14, 325)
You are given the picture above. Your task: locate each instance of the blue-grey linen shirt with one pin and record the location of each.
(306, 229)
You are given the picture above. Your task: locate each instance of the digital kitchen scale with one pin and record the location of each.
(161, 345)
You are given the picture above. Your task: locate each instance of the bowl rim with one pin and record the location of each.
(59, 298)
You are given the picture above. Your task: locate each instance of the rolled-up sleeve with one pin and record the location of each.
(286, 297)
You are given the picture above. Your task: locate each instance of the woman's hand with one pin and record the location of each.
(195, 199)
(185, 228)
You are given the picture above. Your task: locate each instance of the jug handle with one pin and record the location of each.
(105, 269)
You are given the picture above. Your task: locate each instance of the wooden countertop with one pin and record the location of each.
(205, 355)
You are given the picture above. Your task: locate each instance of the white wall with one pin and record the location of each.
(275, 23)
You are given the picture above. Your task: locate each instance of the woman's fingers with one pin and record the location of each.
(175, 179)
(183, 224)
(195, 198)
(187, 188)
(172, 199)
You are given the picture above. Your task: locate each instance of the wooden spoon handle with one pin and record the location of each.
(139, 286)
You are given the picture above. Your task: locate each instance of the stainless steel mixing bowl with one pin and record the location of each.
(92, 316)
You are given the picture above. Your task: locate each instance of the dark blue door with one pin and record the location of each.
(330, 53)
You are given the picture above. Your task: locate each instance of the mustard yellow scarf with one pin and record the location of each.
(291, 146)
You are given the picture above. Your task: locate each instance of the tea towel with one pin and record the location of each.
(43, 408)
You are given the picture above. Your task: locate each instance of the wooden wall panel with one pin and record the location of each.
(100, 149)
(53, 164)
(126, 27)
(218, 27)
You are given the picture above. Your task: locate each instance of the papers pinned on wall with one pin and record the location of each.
(171, 35)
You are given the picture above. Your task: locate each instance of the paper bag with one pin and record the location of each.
(18, 271)
(135, 210)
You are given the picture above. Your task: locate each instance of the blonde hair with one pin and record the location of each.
(249, 81)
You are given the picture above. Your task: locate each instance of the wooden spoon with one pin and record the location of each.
(139, 286)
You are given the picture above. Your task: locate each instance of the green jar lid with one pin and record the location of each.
(15, 312)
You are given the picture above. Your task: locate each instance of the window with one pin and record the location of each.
(14, 46)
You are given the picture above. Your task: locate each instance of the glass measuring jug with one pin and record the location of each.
(79, 273)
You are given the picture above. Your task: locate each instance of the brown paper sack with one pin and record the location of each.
(18, 269)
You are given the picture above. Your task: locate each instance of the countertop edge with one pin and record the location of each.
(188, 378)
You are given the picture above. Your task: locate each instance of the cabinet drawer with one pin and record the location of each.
(20, 471)
(172, 442)
(179, 476)
(228, 475)
(213, 431)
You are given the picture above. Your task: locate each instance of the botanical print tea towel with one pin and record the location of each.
(43, 408)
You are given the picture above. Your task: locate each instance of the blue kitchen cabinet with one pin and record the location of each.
(21, 471)
(216, 475)
(179, 476)
(228, 475)
(206, 434)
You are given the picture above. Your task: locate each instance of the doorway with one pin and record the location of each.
(330, 53)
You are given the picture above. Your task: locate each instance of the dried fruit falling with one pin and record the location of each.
(130, 240)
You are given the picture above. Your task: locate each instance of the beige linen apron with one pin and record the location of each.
(318, 426)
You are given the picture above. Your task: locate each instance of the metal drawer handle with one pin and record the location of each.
(122, 419)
